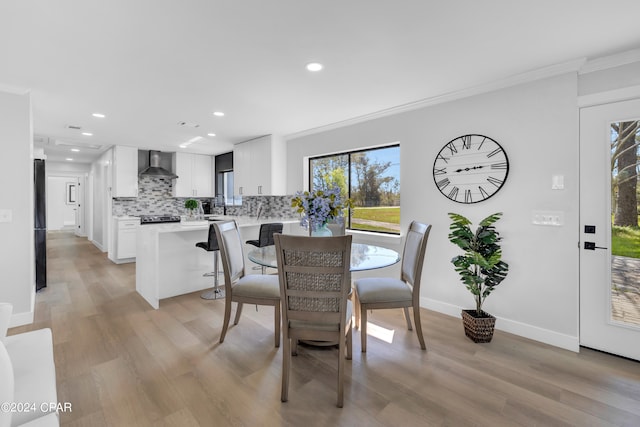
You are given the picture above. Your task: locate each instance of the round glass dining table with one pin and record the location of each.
(363, 256)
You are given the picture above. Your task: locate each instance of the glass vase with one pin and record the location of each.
(322, 231)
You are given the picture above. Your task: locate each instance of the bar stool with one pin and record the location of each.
(211, 245)
(265, 237)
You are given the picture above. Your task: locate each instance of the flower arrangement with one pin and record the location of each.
(318, 207)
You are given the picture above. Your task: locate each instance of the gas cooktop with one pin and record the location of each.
(157, 219)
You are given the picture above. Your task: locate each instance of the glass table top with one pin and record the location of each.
(363, 256)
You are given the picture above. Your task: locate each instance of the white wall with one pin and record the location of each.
(59, 213)
(80, 172)
(537, 124)
(100, 177)
(17, 274)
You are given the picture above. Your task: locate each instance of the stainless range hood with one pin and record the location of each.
(155, 169)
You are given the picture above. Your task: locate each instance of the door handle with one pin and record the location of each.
(592, 246)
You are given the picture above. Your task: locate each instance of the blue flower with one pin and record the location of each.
(319, 206)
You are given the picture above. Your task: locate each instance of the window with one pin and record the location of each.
(370, 178)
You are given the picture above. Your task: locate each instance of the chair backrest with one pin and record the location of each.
(231, 251)
(5, 315)
(415, 246)
(314, 278)
(6, 385)
(212, 240)
(267, 231)
(337, 227)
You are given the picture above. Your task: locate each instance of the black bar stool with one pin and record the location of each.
(265, 237)
(211, 245)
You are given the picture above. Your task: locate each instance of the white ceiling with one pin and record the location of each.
(149, 64)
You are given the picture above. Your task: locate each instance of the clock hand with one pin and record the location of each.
(469, 169)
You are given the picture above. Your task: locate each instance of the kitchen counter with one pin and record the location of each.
(169, 264)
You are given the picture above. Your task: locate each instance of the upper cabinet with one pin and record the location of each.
(125, 171)
(259, 167)
(195, 175)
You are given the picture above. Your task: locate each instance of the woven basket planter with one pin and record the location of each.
(478, 329)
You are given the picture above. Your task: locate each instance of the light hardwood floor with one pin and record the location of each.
(121, 363)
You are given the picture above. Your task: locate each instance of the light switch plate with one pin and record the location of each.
(548, 218)
(557, 182)
(6, 215)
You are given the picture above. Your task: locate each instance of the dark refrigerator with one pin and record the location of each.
(40, 222)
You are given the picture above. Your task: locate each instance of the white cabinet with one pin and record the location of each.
(125, 171)
(259, 166)
(124, 239)
(195, 175)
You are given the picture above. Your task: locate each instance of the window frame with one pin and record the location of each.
(349, 153)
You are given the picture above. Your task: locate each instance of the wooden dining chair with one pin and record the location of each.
(241, 288)
(314, 284)
(387, 292)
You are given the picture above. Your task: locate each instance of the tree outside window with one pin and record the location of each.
(370, 178)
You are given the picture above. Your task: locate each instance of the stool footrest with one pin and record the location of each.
(215, 293)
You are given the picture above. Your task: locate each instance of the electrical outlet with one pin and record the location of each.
(6, 215)
(548, 218)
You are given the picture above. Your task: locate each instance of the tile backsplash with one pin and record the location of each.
(154, 198)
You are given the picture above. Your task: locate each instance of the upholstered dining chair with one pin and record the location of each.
(244, 288)
(314, 284)
(386, 292)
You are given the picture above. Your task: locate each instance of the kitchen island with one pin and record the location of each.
(168, 263)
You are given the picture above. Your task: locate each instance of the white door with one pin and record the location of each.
(609, 270)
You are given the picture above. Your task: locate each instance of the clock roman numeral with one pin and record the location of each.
(480, 146)
(500, 165)
(483, 192)
(466, 142)
(453, 194)
(467, 196)
(439, 171)
(442, 184)
(444, 159)
(452, 148)
(494, 152)
(495, 181)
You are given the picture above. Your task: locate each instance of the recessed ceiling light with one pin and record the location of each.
(98, 115)
(69, 159)
(183, 145)
(87, 133)
(75, 150)
(218, 113)
(314, 66)
(211, 134)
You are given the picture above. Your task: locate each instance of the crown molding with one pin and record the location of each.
(15, 90)
(611, 61)
(517, 79)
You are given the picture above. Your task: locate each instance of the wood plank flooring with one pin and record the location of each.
(121, 363)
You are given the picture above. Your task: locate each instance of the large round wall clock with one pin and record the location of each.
(470, 168)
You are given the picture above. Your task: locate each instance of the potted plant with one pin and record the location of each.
(191, 205)
(481, 269)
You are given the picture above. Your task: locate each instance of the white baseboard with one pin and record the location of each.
(98, 245)
(535, 333)
(19, 319)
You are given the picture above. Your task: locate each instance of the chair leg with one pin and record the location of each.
(363, 328)
(341, 358)
(277, 325)
(416, 317)
(286, 366)
(349, 342)
(356, 306)
(407, 318)
(238, 313)
(227, 316)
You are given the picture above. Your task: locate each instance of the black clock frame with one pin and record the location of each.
(506, 174)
